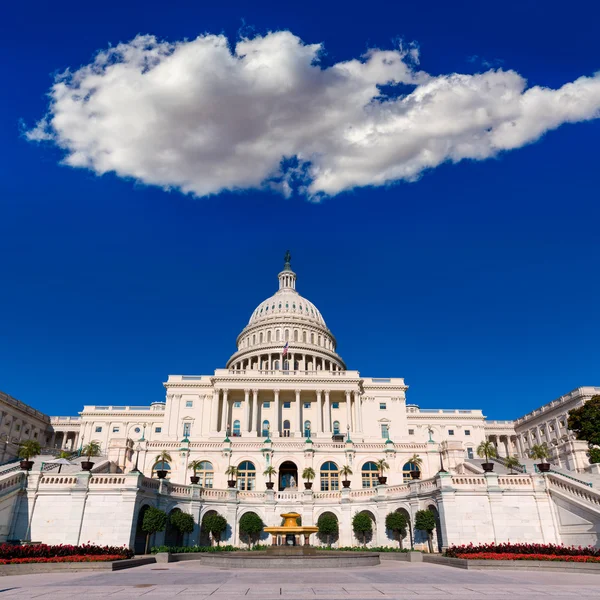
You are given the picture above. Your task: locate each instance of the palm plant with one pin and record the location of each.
(309, 475)
(29, 449)
(540, 452)
(232, 472)
(345, 471)
(486, 449)
(382, 466)
(415, 460)
(195, 466)
(512, 463)
(269, 472)
(161, 459)
(64, 454)
(164, 456)
(91, 449)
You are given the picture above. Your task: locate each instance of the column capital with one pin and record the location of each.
(246, 391)
(298, 392)
(255, 392)
(348, 393)
(318, 392)
(276, 391)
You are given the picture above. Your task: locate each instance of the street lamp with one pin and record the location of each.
(137, 456)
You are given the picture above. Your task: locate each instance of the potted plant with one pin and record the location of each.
(382, 467)
(269, 472)
(488, 450)
(163, 457)
(232, 473)
(416, 461)
(512, 462)
(540, 452)
(195, 466)
(345, 471)
(28, 450)
(91, 449)
(309, 475)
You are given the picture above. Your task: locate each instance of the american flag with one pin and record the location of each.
(285, 349)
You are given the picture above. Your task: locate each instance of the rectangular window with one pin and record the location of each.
(157, 429)
(469, 452)
(411, 432)
(385, 433)
(17, 428)
(35, 435)
(115, 430)
(189, 403)
(450, 431)
(307, 405)
(98, 429)
(335, 405)
(467, 432)
(382, 406)
(237, 405)
(266, 405)
(186, 429)
(287, 405)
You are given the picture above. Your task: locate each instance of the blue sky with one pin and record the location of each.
(478, 283)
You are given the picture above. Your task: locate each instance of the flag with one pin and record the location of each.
(285, 349)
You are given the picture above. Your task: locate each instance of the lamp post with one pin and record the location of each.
(137, 456)
(442, 470)
(4, 450)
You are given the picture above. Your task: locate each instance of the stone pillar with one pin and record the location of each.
(298, 429)
(255, 423)
(214, 412)
(319, 413)
(348, 412)
(327, 415)
(246, 423)
(224, 413)
(275, 431)
(357, 411)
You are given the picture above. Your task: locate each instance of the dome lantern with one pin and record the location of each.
(287, 277)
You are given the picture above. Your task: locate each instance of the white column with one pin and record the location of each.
(224, 413)
(319, 428)
(275, 431)
(358, 410)
(327, 414)
(298, 429)
(348, 412)
(255, 423)
(214, 412)
(246, 423)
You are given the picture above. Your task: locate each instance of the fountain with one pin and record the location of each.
(290, 532)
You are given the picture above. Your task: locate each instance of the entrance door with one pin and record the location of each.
(288, 475)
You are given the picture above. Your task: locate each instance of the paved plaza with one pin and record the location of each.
(391, 580)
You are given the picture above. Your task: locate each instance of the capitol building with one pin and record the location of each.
(286, 400)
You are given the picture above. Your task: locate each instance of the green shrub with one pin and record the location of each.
(328, 527)
(396, 523)
(154, 520)
(425, 521)
(216, 525)
(362, 526)
(251, 526)
(184, 522)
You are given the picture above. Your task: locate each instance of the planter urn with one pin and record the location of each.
(161, 474)
(415, 474)
(195, 480)
(270, 485)
(26, 465)
(487, 467)
(543, 467)
(346, 484)
(308, 485)
(382, 480)
(231, 483)
(86, 465)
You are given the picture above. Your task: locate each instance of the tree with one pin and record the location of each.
(215, 525)
(182, 521)
(269, 472)
(425, 521)
(585, 421)
(539, 452)
(362, 526)
(231, 471)
(594, 454)
(382, 466)
(64, 454)
(308, 474)
(195, 466)
(512, 462)
(415, 460)
(154, 520)
(396, 523)
(328, 526)
(29, 449)
(486, 449)
(164, 456)
(251, 526)
(345, 471)
(91, 449)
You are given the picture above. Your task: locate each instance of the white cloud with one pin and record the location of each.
(201, 117)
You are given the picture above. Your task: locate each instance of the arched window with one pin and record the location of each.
(268, 336)
(336, 428)
(312, 338)
(287, 335)
(276, 365)
(320, 341)
(246, 479)
(330, 477)
(265, 428)
(206, 473)
(369, 475)
(295, 335)
(407, 469)
(306, 429)
(253, 339)
(237, 429)
(277, 335)
(260, 338)
(286, 428)
(286, 365)
(304, 336)
(161, 466)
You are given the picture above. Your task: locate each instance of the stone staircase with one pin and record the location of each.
(40, 463)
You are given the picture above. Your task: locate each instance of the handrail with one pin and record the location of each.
(500, 460)
(566, 476)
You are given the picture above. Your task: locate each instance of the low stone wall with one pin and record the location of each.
(512, 565)
(402, 556)
(74, 567)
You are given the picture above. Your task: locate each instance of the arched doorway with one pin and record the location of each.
(139, 544)
(205, 535)
(173, 537)
(437, 534)
(288, 475)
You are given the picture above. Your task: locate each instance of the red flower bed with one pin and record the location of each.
(510, 556)
(9, 552)
(63, 559)
(524, 549)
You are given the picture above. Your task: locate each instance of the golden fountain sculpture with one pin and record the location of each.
(289, 530)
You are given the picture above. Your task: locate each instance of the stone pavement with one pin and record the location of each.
(389, 581)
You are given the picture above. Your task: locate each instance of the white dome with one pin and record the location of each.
(286, 302)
